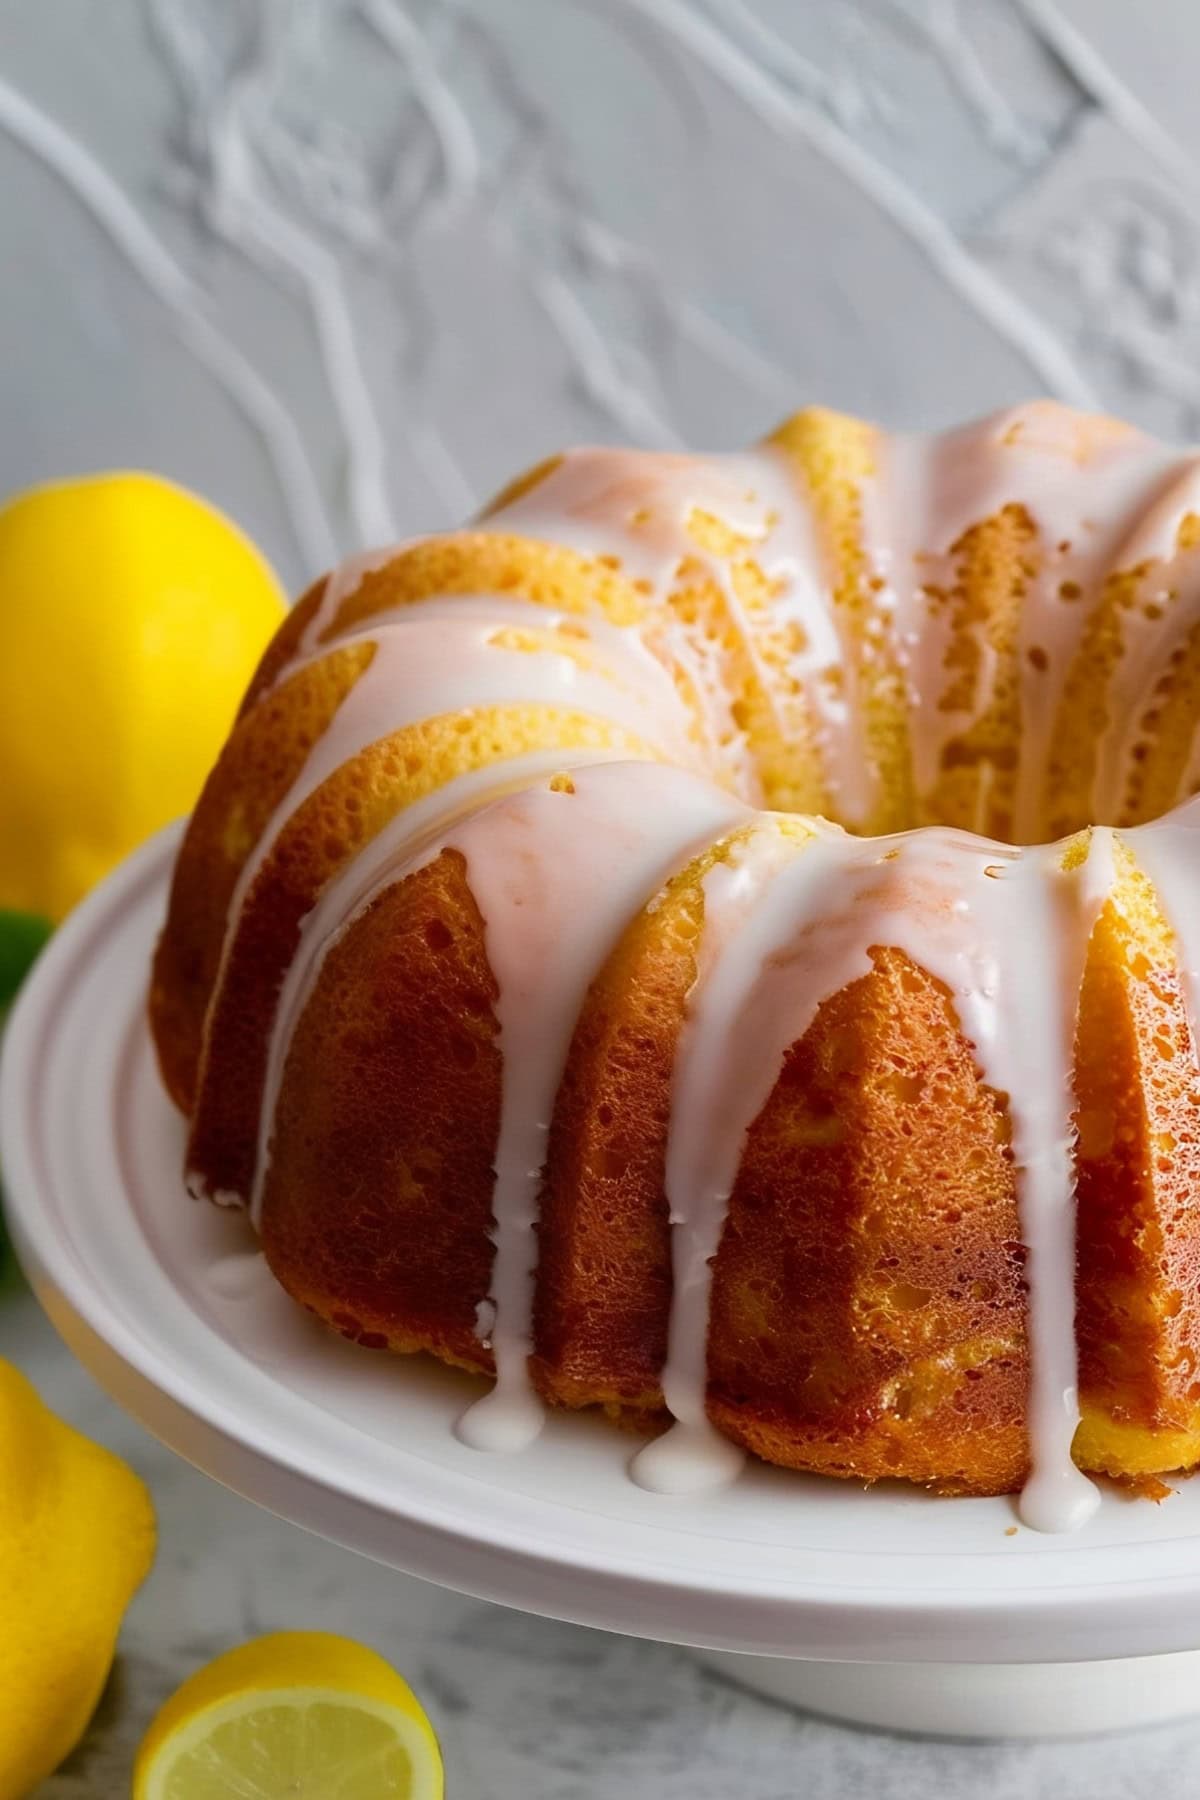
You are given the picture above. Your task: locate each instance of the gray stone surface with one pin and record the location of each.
(526, 1709)
(343, 265)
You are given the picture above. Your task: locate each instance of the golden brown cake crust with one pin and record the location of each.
(377, 1210)
(1138, 1228)
(868, 1312)
(262, 758)
(867, 1306)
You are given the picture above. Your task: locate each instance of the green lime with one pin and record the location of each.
(21, 937)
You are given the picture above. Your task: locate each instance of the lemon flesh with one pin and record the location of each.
(304, 1715)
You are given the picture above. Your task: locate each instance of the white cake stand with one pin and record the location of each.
(884, 1606)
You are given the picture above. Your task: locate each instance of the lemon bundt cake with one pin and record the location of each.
(712, 941)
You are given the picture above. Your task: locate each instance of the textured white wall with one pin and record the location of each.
(346, 264)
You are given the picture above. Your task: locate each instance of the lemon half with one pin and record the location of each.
(300, 1714)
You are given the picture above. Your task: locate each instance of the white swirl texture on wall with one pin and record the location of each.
(344, 264)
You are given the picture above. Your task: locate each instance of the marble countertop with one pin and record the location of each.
(526, 1709)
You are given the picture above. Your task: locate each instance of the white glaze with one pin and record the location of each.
(340, 584)
(424, 667)
(1007, 931)
(1100, 496)
(557, 875)
(1172, 586)
(793, 560)
(744, 928)
(240, 1275)
(403, 843)
(789, 920)
(1093, 493)
(634, 507)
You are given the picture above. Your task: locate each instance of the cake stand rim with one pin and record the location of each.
(1012, 1623)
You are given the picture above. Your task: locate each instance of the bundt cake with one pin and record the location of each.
(705, 942)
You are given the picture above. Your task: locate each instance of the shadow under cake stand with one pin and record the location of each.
(885, 1606)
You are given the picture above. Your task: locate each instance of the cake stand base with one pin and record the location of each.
(979, 1700)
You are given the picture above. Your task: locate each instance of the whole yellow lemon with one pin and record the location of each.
(76, 1538)
(132, 614)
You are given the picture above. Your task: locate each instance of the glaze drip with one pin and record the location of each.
(787, 926)
(557, 873)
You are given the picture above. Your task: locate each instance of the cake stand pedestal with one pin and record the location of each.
(888, 1607)
(979, 1700)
